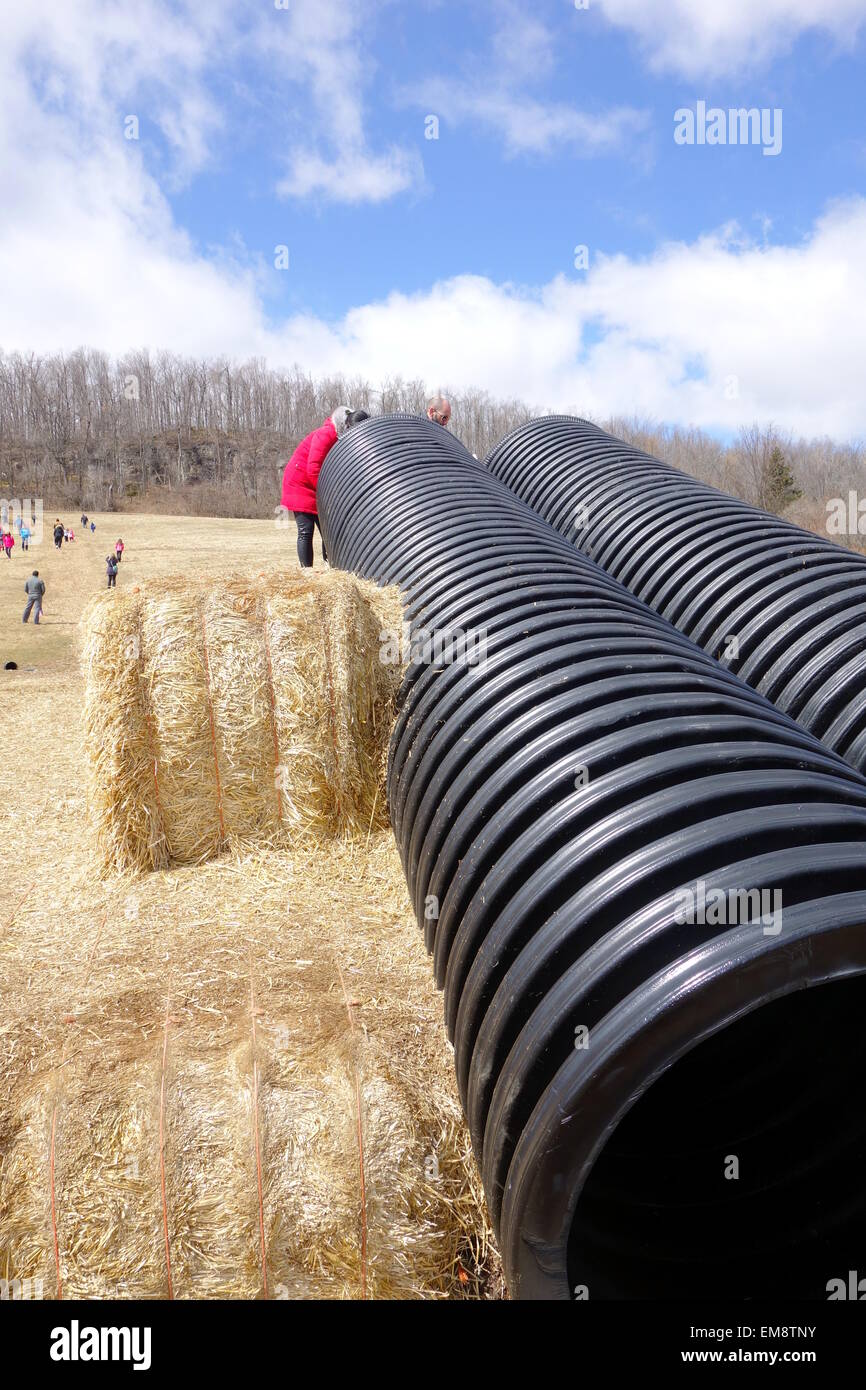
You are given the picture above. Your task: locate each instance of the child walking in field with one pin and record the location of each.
(7, 542)
(118, 550)
(111, 566)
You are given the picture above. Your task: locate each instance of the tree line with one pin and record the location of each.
(209, 436)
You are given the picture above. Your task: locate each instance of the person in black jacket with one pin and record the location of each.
(58, 533)
(111, 566)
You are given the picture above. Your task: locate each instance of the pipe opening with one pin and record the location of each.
(781, 1091)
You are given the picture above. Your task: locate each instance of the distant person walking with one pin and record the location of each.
(118, 550)
(34, 588)
(111, 566)
(71, 534)
(58, 534)
(301, 475)
(25, 537)
(84, 521)
(92, 527)
(7, 542)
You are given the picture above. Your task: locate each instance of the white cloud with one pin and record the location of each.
(89, 254)
(353, 177)
(663, 336)
(522, 51)
(716, 332)
(318, 43)
(88, 249)
(80, 67)
(89, 65)
(709, 38)
(527, 126)
(522, 44)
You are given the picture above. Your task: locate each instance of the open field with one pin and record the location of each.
(223, 1081)
(155, 546)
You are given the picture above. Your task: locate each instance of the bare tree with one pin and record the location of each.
(82, 428)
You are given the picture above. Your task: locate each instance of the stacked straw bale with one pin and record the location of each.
(268, 1018)
(223, 711)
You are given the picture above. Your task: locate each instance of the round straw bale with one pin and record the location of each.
(177, 693)
(226, 710)
(126, 808)
(333, 702)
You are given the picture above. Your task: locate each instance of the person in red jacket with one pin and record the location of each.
(302, 474)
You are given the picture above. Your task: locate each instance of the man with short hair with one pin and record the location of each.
(439, 410)
(34, 588)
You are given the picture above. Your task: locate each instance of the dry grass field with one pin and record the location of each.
(229, 1080)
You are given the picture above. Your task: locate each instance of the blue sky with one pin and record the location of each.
(723, 285)
(485, 210)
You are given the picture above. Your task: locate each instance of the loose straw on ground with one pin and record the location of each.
(162, 1142)
(358, 1114)
(11, 918)
(256, 1132)
(52, 1156)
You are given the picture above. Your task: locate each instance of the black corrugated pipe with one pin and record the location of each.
(588, 809)
(783, 608)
